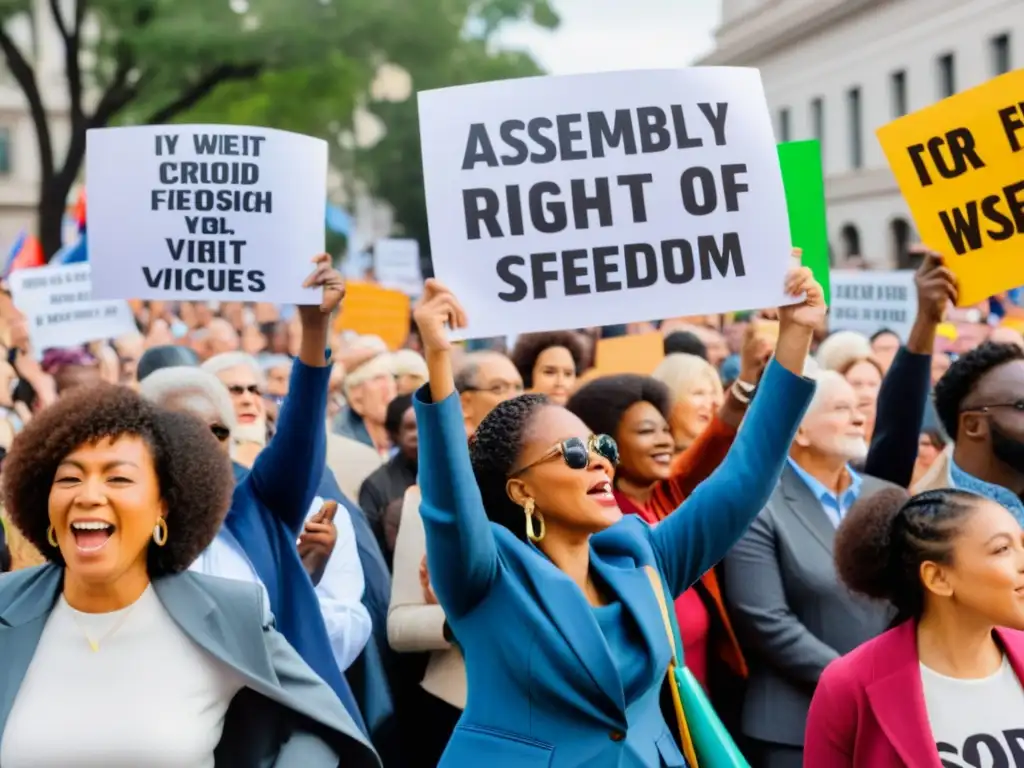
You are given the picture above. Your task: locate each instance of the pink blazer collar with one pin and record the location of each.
(896, 693)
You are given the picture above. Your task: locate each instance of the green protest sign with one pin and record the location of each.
(804, 181)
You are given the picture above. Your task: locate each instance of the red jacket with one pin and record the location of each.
(869, 709)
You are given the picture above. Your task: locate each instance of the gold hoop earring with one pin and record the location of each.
(51, 537)
(160, 532)
(533, 534)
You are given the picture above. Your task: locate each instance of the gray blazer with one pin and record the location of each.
(789, 610)
(286, 716)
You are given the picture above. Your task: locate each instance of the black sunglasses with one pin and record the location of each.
(221, 432)
(576, 452)
(237, 390)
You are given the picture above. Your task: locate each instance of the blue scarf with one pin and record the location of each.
(996, 493)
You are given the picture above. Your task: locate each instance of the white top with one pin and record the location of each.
(148, 696)
(976, 722)
(339, 593)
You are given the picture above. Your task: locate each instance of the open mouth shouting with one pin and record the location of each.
(602, 493)
(91, 535)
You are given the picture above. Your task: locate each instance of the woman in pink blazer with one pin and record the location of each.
(941, 689)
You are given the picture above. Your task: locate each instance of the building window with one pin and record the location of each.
(783, 124)
(901, 234)
(947, 75)
(854, 117)
(851, 241)
(898, 92)
(1001, 58)
(5, 151)
(818, 119)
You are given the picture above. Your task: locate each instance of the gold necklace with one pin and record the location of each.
(94, 645)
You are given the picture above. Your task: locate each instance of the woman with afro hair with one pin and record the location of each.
(550, 362)
(547, 587)
(115, 654)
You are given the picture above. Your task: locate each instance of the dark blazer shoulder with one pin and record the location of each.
(874, 484)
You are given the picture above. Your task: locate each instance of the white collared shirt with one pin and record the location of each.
(340, 591)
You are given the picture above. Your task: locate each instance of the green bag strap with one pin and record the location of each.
(668, 614)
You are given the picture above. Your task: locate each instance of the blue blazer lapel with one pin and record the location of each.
(567, 609)
(633, 589)
(21, 625)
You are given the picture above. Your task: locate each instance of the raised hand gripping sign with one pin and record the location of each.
(563, 202)
(218, 212)
(960, 166)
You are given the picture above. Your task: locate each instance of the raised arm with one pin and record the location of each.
(904, 394)
(695, 537)
(461, 553)
(287, 472)
(694, 465)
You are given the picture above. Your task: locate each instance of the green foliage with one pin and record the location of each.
(300, 65)
(393, 167)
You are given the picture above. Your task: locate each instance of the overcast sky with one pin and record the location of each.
(601, 35)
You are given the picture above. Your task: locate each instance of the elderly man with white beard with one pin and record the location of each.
(790, 612)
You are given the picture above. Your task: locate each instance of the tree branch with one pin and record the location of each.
(72, 66)
(202, 88)
(26, 79)
(118, 93)
(58, 18)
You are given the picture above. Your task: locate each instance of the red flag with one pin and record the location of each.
(80, 210)
(30, 255)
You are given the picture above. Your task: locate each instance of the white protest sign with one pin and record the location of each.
(867, 301)
(57, 302)
(218, 212)
(396, 265)
(563, 202)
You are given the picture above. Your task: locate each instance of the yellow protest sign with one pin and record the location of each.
(960, 166)
(370, 309)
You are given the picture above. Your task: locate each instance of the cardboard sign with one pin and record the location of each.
(396, 264)
(960, 166)
(58, 305)
(639, 353)
(868, 301)
(804, 180)
(218, 212)
(372, 309)
(591, 200)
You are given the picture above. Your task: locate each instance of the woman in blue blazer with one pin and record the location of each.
(541, 577)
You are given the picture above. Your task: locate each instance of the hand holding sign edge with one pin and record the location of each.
(316, 318)
(436, 312)
(936, 285)
(797, 322)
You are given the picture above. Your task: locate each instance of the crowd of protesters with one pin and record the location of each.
(248, 538)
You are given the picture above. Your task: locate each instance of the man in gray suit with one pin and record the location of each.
(789, 609)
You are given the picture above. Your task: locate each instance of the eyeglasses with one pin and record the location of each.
(576, 452)
(221, 432)
(237, 390)
(498, 389)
